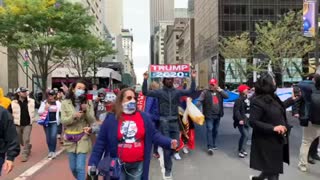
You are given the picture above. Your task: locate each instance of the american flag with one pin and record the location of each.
(26, 56)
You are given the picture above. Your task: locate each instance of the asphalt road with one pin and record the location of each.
(223, 165)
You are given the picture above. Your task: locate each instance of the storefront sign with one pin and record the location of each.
(170, 71)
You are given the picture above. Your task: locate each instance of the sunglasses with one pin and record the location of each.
(129, 98)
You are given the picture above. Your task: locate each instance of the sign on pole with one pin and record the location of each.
(309, 18)
(170, 71)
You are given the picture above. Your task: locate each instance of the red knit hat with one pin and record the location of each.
(242, 88)
(213, 82)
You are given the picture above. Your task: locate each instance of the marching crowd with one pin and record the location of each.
(128, 134)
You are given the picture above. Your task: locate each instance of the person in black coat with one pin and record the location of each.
(240, 116)
(270, 138)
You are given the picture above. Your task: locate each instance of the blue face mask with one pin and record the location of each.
(129, 107)
(79, 92)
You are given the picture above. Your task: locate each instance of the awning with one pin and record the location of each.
(72, 73)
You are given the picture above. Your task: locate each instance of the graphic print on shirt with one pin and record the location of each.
(129, 131)
(215, 99)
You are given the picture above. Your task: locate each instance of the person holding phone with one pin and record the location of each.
(77, 115)
(51, 109)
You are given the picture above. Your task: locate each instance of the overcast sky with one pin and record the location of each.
(136, 17)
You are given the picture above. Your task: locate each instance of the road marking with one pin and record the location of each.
(36, 167)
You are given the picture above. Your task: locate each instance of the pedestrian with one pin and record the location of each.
(212, 107)
(50, 108)
(4, 101)
(270, 137)
(168, 98)
(23, 112)
(60, 98)
(241, 116)
(77, 115)
(100, 110)
(311, 107)
(152, 109)
(9, 144)
(128, 135)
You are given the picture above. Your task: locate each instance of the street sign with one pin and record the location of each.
(26, 64)
(170, 71)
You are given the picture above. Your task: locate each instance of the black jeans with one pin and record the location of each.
(313, 151)
(171, 130)
(268, 176)
(212, 124)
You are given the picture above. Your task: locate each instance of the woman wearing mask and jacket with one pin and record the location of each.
(240, 117)
(50, 109)
(270, 138)
(77, 115)
(128, 134)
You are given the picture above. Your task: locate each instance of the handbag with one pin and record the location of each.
(111, 166)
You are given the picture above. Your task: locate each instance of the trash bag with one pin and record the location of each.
(194, 113)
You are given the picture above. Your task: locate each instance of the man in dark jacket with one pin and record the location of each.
(212, 106)
(168, 98)
(9, 144)
(311, 96)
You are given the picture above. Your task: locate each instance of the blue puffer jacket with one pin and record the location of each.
(152, 108)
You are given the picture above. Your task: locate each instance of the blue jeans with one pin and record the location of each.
(171, 130)
(51, 136)
(77, 163)
(244, 131)
(212, 125)
(132, 171)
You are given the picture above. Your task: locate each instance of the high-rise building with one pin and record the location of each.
(227, 18)
(113, 15)
(160, 10)
(171, 39)
(181, 13)
(159, 42)
(127, 44)
(95, 9)
(191, 8)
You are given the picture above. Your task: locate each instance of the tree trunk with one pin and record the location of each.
(44, 86)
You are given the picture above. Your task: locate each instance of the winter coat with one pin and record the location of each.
(269, 149)
(107, 142)
(76, 125)
(9, 143)
(241, 110)
(16, 111)
(169, 99)
(152, 108)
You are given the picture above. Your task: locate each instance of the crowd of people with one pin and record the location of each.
(128, 136)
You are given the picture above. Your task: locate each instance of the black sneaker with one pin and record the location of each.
(168, 175)
(210, 151)
(316, 157)
(255, 178)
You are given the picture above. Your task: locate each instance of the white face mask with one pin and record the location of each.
(129, 107)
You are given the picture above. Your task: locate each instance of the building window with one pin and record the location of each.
(177, 58)
(226, 26)
(243, 25)
(226, 10)
(177, 36)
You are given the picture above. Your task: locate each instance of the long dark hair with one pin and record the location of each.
(71, 94)
(265, 85)
(117, 107)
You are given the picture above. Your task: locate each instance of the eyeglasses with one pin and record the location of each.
(129, 98)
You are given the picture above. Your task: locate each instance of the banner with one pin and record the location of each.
(141, 102)
(309, 18)
(170, 71)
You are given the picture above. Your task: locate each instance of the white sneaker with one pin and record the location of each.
(185, 150)
(302, 168)
(177, 156)
(50, 155)
(53, 155)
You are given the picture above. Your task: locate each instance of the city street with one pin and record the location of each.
(224, 165)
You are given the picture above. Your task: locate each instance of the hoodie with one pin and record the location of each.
(4, 101)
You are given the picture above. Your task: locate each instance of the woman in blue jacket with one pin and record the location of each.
(128, 135)
(152, 109)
